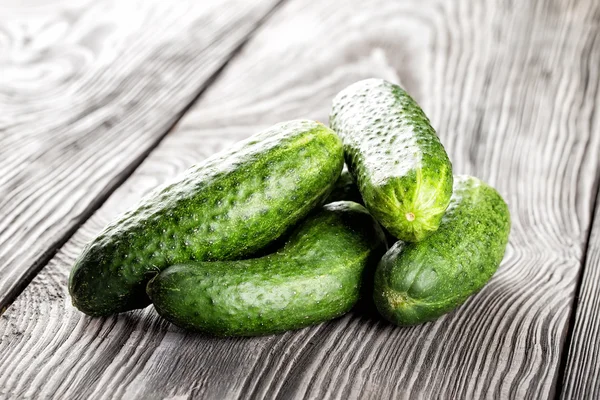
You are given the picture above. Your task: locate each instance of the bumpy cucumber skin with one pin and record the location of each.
(419, 282)
(316, 276)
(399, 164)
(345, 189)
(225, 208)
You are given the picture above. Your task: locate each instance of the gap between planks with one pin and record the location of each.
(570, 328)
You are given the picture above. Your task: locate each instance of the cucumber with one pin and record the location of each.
(345, 189)
(316, 276)
(395, 156)
(227, 207)
(419, 282)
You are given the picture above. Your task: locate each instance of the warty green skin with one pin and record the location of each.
(345, 189)
(316, 276)
(419, 282)
(225, 208)
(395, 156)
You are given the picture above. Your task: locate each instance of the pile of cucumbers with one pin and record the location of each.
(270, 235)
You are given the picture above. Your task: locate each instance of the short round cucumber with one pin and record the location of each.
(419, 282)
(316, 276)
(227, 207)
(399, 164)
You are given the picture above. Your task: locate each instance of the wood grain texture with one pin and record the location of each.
(87, 88)
(582, 370)
(512, 90)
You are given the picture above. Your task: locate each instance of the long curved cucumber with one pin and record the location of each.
(225, 208)
(316, 276)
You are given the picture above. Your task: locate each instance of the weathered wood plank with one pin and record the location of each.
(87, 88)
(512, 91)
(582, 370)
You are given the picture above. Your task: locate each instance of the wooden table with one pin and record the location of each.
(101, 101)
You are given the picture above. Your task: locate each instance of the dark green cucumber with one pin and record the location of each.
(225, 208)
(316, 276)
(395, 156)
(345, 189)
(419, 282)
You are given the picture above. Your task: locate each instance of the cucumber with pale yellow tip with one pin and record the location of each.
(395, 156)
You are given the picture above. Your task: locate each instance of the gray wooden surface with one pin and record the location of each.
(512, 90)
(582, 370)
(87, 89)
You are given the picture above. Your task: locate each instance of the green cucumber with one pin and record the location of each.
(395, 156)
(316, 276)
(419, 282)
(227, 207)
(345, 189)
